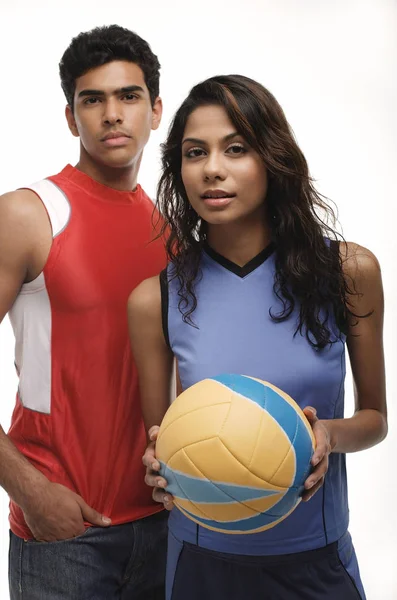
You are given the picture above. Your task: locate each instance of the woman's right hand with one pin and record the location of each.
(152, 478)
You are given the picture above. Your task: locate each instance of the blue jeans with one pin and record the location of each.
(122, 562)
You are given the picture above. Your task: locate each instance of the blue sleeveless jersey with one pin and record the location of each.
(236, 334)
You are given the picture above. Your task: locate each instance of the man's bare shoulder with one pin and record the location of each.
(20, 207)
(25, 231)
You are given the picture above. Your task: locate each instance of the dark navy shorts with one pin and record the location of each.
(328, 573)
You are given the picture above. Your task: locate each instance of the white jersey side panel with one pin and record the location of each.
(30, 315)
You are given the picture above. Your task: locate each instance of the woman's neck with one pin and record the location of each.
(239, 243)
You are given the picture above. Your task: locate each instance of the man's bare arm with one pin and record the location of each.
(51, 510)
(21, 223)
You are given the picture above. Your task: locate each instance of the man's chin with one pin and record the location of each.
(118, 162)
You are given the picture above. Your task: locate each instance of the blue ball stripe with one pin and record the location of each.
(281, 411)
(211, 492)
(256, 522)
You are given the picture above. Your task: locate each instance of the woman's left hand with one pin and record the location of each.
(320, 456)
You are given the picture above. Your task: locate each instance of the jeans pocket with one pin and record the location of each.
(35, 542)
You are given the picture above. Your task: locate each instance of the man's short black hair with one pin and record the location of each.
(101, 45)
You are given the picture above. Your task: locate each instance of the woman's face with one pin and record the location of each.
(224, 178)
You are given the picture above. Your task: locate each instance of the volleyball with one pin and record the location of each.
(235, 452)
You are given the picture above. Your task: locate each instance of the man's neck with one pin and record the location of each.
(119, 178)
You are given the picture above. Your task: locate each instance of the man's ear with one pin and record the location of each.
(71, 121)
(157, 112)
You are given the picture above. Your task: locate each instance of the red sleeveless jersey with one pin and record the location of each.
(77, 416)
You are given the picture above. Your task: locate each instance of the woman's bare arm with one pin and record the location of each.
(153, 358)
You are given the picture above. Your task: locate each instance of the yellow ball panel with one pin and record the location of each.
(200, 424)
(272, 451)
(205, 393)
(216, 512)
(240, 429)
(260, 505)
(284, 475)
(220, 530)
(216, 463)
(181, 462)
(292, 402)
(256, 439)
(229, 512)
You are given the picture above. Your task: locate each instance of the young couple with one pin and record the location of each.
(256, 283)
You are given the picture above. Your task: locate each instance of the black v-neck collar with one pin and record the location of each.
(250, 266)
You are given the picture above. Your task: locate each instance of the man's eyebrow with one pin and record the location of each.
(197, 141)
(124, 90)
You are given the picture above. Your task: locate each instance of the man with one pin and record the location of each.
(72, 247)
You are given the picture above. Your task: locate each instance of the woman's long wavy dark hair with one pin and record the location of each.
(308, 273)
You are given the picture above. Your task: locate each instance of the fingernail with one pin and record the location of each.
(159, 483)
(106, 520)
(166, 498)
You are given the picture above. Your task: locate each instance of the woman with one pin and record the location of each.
(258, 284)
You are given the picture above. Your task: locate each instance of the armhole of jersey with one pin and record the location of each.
(55, 202)
(164, 304)
(334, 248)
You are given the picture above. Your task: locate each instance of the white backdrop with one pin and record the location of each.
(332, 64)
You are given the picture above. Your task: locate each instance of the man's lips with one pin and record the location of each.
(114, 134)
(117, 138)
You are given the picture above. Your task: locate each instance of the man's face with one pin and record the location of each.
(113, 114)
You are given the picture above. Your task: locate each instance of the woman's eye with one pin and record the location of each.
(236, 149)
(194, 153)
